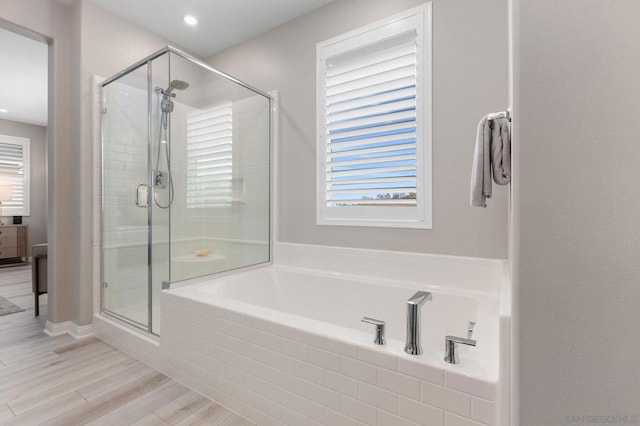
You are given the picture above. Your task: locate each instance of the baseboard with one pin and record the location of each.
(68, 327)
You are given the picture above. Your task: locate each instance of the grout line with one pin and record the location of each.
(7, 405)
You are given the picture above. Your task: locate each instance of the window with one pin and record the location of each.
(209, 157)
(14, 171)
(374, 124)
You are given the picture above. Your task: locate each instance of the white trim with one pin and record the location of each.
(274, 152)
(421, 216)
(96, 114)
(68, 327)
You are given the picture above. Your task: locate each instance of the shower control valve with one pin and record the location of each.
(159, 179)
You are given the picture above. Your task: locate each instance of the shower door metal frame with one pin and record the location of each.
(272, 133)
(103, 309)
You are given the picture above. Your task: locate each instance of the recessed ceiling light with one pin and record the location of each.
(189, 19)
(3, 110)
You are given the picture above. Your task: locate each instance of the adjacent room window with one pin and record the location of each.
(374, 124)
(14, 173)
(209, 157)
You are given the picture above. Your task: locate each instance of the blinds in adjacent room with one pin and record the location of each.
(209, 157)
(14, 171)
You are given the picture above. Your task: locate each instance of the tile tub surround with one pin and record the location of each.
(276, 372)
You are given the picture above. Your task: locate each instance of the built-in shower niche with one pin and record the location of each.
(185, 180)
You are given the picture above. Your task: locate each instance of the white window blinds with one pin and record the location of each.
(371, 126)
(14, 172)
(209, 157)
(374, 125)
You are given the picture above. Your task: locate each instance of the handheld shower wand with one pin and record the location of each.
(166, 107)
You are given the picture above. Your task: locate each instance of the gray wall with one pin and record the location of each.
(49, 18)
(470, 78)
(37, 221)
(576, 211)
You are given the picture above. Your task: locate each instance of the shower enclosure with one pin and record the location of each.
(185, 180)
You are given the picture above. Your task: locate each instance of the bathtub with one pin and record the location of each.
(331, 306)
(284, 344)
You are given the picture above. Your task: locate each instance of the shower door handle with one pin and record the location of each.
(142, 195)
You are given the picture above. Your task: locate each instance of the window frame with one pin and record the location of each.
(25, 208)
(418, 19)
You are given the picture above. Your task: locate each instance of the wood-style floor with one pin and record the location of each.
(61, 381)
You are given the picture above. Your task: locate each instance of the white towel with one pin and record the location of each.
(493, 148)
(480, 180)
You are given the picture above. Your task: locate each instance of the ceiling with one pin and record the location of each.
(23, 79)
(221, 23)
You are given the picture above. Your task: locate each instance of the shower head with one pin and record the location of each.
(174, 85)
(178, 85)
(167, 104)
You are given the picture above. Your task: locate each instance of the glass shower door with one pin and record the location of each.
(126, 213)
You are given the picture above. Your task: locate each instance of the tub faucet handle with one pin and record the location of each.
(451, 348)
(472, 324)
(379, 340)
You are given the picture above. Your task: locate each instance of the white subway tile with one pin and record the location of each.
(484, 411)
(324, 396)
(268, 341)
(259, 386)
(308, 338)
(358, 370)
(340, 383)
(378, 358)
(268, 373)
(447, 399)
(377, 397)
(232, 373)
(334, 418)
(486, 390)
(421, 371)
(309, 372)
(281, 330)
(399, 383)
(295, 349)
(291, 417)
(420, 412)
(258, 353)
(254, 415)
(358, 410)
(311, 409)
(342, 348)
(324, 358)
(388, 419)
(281, 362)
(294, 384)
(281, 396)
(266, 406)
(453, 420)
(240, 331)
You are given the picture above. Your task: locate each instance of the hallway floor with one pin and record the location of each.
(62, 381)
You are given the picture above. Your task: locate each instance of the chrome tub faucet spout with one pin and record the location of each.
(414, 304)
